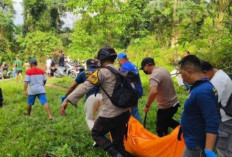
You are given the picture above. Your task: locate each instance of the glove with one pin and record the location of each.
(62, 98)
(210, 153)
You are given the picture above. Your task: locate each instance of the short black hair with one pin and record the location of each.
(191, 61)
(148, 60)
(206, 66)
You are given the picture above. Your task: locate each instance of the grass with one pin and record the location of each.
(67, 136)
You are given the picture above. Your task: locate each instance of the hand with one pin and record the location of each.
(63, 108)
(210, 153)
(62, 98)
(25, 92)
(146, 109)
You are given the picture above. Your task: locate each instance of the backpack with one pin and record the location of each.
(124, 95)
(133, 79)
(228, 107)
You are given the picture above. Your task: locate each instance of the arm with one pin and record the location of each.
(151, 98)
(80, 79)
(75, 96)
(25, 88)
(210, 141)
(71, 88)
(207, 101)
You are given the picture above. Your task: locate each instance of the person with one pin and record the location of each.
(126, 65)
(53, 66)
(18, 65)
(92, 101)
(48, 66)
(27, 66)
(110, 118)
(223, 84)
(199, 121)
(3, 67)
(61, 59)
(36, 79)
(162, 89)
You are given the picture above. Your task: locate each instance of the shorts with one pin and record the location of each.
(42, 98)
(19, 71)
(48, 71)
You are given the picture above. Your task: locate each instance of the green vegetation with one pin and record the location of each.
(67, 136)
(161, 29)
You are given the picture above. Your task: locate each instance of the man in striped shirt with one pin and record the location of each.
(161, 89)
(36, 79)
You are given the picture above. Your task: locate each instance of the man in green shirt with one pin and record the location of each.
(18, 66)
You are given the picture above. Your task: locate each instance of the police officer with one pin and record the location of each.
(111, 118)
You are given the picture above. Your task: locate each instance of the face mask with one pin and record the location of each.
(145, 72)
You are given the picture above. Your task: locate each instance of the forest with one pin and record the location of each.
(162, 29)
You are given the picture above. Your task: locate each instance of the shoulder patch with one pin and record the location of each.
(215, 91)
(93, 78)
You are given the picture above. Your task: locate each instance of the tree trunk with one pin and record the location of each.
(175, 32)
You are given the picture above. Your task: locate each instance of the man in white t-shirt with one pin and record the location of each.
(48, 66)
(223, 84)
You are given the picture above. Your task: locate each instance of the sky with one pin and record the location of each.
(18, 20)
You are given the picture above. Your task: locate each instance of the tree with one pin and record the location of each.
(43, 15)
(102, 23)
(6, 28)
(39, 44)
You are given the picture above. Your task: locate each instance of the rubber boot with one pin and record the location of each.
(113, 152)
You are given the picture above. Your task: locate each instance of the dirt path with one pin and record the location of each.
(55, 86)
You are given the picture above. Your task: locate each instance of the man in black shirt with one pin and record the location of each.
(61, 59)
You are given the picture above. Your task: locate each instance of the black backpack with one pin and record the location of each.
(228, 107)
(133, 79)
(124, 95)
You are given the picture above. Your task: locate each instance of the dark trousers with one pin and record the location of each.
(165, 120)
(116, 126)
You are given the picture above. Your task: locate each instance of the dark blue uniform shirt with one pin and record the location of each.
(82, 77)
(200, 114)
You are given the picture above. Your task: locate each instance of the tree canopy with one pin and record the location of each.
(142, 28)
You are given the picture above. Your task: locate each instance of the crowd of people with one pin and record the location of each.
(204, 121)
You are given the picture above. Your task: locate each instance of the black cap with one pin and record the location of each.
(106, 52)
(33, 61)
(91, 63)
(147, 60)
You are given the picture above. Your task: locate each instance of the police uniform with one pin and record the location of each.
(93, 100)
(111, 118)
